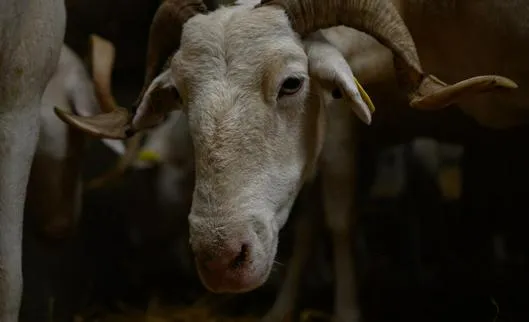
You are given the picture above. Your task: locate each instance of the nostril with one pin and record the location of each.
(240, 259)
(336, 93)
(224, 259)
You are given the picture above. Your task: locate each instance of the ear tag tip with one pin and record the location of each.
(149, 156)
(59, 110)
(365, 96)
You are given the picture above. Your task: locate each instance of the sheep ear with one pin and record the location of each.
(332, 71)
(160, 98)
(354, 92)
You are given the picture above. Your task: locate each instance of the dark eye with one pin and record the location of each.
(291, 86)
(336, 93)
(176, 95)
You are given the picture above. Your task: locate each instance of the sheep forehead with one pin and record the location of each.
(224, 59)
(242, 19)
(237, 36)
(233, 49)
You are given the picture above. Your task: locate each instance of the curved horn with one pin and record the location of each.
(103, 55)
(381, 19)
(112, 123)
(164, 39)
(165, 34)
(426, 98)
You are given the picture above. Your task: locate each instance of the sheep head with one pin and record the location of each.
(253, 94)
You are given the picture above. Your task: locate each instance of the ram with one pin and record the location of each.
(255, 84)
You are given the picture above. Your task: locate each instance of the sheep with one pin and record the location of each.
(55, 185)
(258, 139)
(451, 43)
(441, 35)
(454, 40)
(31, 36)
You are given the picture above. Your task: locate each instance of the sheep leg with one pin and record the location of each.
(337, 203)
(338, 179)
(32, 32)
(57, 180)
(16, 148)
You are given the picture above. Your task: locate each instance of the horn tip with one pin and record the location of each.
(497, 81)
(508, 83)
(420, 103)
(60, 112)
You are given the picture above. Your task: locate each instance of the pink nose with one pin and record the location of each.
(224, 268)
(228, 258)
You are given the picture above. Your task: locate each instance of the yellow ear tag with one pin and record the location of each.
(365, 97)
(149, 156)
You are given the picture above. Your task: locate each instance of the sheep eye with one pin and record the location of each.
(176, 95)
(291, 86)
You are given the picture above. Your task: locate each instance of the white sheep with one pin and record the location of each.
(262, 121)
(31, 34)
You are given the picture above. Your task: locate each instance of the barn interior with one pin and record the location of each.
(449, 245)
